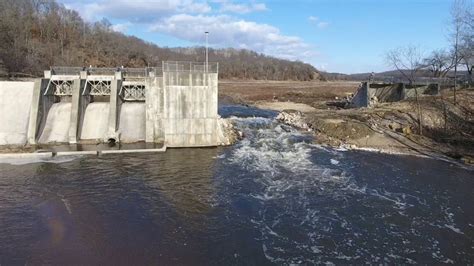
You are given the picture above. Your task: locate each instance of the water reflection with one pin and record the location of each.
(88, 210)
(185, 181)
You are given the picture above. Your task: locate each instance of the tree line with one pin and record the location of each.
(37, 34)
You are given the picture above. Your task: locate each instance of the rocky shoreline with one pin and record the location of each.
(350, 130)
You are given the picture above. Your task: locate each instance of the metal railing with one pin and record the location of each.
(141, 72)
(67, 71)
(102, 71)
(134, 72)
(167, 66)
(157, 70)
(182, 66)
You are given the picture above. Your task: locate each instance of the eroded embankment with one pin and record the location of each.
(389, 131)
(447, 129)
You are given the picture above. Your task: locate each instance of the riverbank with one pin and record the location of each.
(447, 129)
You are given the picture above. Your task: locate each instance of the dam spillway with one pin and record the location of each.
(58, 121)
(132, 124)
(94, 125)
(174, 105)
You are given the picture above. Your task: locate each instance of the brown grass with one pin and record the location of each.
(311, 92)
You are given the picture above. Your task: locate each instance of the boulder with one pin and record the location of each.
(293, 118)
(227, 133)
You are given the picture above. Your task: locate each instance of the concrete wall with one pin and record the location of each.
(40, 105)
(79, 103)
(370, 94)
(361, 97)
(95, 125)
(155, 132)
(56, 129)
(15, 105)
(386, 92)
(432, 89)
(180, 110)
(114, 111)
(190, 111)
(132, 125)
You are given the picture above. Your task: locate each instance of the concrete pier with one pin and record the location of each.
(175, 105)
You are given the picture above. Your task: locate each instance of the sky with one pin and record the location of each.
(345, 36)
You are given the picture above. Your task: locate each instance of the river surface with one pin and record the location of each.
(273, 198)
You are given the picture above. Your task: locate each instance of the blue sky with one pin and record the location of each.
(348, 36)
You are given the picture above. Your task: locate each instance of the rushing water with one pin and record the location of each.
(273, 198)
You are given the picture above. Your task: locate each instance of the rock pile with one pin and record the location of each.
(227, 133)
(293, 118)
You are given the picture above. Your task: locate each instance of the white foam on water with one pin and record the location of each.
(56, 129)
(132, 122)
(274, 149)
(283, 165)
(31, 160)
(289, 174)
(96, 121)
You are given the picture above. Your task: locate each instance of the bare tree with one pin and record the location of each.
(461, 12)
(408, 61)
(35, 34)
(466, 49)
(439, 63)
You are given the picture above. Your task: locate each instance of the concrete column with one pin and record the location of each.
(367, 94)
(154, 102)
(40, 106)
(47, 74)
(83, 75)
(114, 110)
(77, 110)
(404, 94)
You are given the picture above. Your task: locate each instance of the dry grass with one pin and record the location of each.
(313, 93)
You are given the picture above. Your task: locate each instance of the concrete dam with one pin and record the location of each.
(174, 105)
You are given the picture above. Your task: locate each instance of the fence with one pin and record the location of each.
(180, 66)
(67, 71)
(167, 66)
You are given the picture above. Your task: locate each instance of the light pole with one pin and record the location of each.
(207, 52)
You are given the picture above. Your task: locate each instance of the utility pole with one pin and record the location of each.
(456, 62)
(207, 51)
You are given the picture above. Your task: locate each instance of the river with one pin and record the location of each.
(273, 198)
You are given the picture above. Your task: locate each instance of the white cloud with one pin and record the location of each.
(138, 10)
(189, 19)
(229, 6)
(121, 27)
(318, 22)
(323, 25)
(226, 31)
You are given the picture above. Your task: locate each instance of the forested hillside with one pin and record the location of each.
(37, 34)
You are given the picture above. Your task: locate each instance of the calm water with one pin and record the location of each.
(274, 198)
